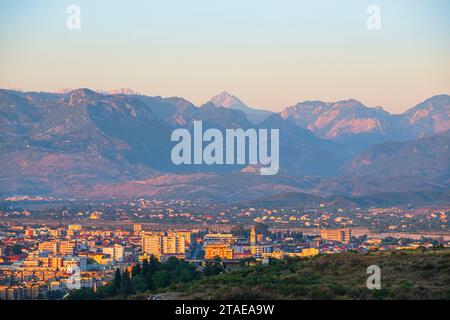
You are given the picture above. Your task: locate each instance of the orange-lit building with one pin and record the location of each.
(58, 247)
(338, 235)
(137, 228)
(158, 244)
(223, 251)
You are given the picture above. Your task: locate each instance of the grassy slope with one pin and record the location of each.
(408, 274)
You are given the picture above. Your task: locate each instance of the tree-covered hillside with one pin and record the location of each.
(407, 274)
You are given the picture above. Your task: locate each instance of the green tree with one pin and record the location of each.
(162, 279)
(153, 265)
(212, 268)
(117, 279)
(82, 294)
(126, 286)
(136, 270)
(145, 267)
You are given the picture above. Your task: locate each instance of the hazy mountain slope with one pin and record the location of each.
(54, 143)
(302, 153)
(429, 117)
(421, 165)
(303, 200)
(67, 144)
(86, 144)
(423, 158)
(230, 187)
(349, 121)
(349, 117)
(305, 113)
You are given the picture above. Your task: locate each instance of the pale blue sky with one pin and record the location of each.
(269, 53)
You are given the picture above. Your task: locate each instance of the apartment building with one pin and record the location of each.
(337, 235)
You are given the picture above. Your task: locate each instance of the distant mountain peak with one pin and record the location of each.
(225, 93)
(79, 96)
(430, 116)
(349, 103)
(82, 92)
(229, 101)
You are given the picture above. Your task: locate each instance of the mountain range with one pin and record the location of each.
(87, 144)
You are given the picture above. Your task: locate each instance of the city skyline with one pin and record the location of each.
(139, 249)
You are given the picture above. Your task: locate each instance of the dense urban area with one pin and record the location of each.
(54, 250)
